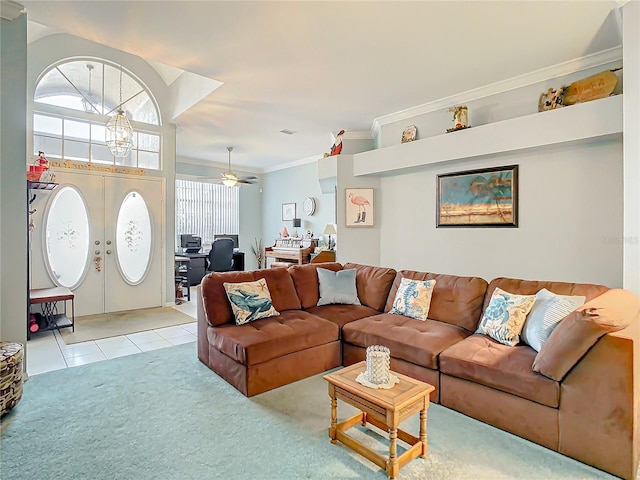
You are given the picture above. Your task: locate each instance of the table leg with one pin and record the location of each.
(423, 433)
(334, 420)
(393, 467)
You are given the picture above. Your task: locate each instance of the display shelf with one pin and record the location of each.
(41, 185)
(581, 122)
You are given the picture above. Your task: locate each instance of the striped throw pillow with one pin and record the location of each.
(545, 315)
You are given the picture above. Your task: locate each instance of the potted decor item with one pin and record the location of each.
(460, 118)
(258, 250)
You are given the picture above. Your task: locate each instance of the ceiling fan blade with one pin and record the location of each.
(244, 180)
(250, 177)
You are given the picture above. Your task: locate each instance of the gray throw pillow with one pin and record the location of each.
(546, 313)
(337, 287)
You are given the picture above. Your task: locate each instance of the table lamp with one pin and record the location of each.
(296, 223)
(330, 230)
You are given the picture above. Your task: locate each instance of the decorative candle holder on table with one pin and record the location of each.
(378, 373)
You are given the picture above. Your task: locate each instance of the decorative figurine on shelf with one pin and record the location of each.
(460, 118)
(284, 233)
(336, 148)
(551, 100)
(42, 161)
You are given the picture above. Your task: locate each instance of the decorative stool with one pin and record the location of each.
(11, 355)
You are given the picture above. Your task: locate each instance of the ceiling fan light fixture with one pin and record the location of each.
(229, 182)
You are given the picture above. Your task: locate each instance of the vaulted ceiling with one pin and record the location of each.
(315, 67)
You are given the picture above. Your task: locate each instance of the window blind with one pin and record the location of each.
(206, 209)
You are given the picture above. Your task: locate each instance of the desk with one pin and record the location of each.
(48, 298)
(199, 262)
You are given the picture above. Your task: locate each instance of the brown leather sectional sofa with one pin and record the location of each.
(591, 413)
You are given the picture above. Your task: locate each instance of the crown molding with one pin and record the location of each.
(357, 136)
(11, 10)
(219, 165)
(565, 68)
(295, 163)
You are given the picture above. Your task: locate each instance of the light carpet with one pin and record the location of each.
(95, 327)
(164, 415)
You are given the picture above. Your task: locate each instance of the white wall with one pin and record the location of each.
(631, 115)
(13, 186)
(570, 220)
(359, 244)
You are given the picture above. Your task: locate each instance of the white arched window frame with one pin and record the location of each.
(72, 103)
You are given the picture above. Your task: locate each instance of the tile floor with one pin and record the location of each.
(47, 351)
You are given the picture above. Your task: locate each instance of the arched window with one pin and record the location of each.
(73, 101)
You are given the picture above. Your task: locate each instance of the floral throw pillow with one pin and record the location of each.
(413, 298)
(250, 301)
(504, 317)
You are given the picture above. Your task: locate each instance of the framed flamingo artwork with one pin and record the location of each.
(359, 207)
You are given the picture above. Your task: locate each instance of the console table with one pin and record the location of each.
(48, 298)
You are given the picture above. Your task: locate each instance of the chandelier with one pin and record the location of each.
(119, 134)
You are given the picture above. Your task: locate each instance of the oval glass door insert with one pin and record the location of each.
(133, 238)
(67, 237)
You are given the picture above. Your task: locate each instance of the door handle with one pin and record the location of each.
(98, 263)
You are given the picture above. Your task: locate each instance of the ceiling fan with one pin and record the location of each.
(229, 178)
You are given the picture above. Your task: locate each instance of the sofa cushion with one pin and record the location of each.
(413, 298)
(373, 284)
(273, 337)
(342, 314)
(337, 287)
(305, 279)
(415, 341)
(250, 301)
(546, 313)
(483, 360)
(455, 300)
(216, 303)
(531, 287)
(580, 330)
(504, 317)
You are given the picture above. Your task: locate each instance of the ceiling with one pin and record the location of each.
(319, 67)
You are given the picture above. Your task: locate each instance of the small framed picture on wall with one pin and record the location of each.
(288, 211)
(359, 207)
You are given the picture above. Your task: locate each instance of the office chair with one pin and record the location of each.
(221, 255)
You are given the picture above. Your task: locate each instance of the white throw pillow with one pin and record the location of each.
(546, 313)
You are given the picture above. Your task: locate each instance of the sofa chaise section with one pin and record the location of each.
(587, 414)
(269, 352)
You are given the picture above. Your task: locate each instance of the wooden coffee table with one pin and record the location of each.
(384, 409)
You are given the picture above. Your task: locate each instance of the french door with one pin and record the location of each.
(102, 237)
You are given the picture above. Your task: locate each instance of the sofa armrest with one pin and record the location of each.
(596, 416)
